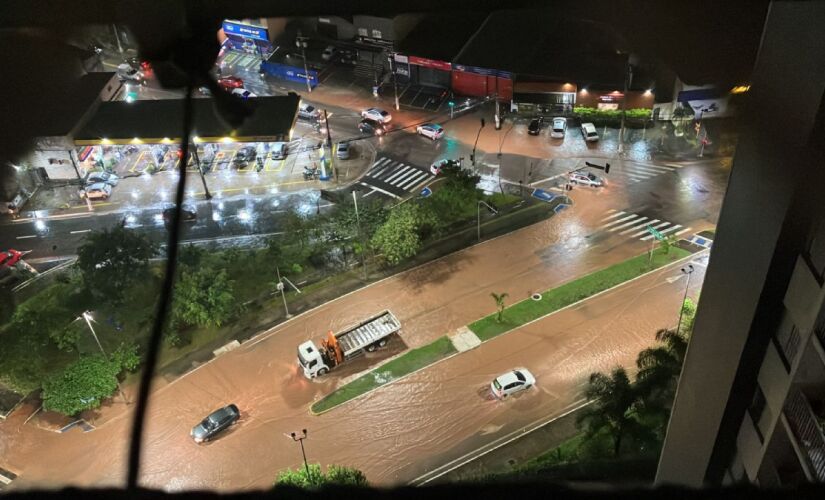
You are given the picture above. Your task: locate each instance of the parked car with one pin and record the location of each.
(10, 257)
(216, 422)
(512, 382)
(309, 112)
(372, 127)
(432, 130)
(342, 150)
(535, 126)
(376, 114)
(329, 53)
(243, 93)
(244, 156)
(279, 150)
(559, 128)
(98, 191)
(436, 167)
(589, 132)
(230, 82)
(140, 65)
(187, 213)
(127, 74)
(101, 176)
(586, 179)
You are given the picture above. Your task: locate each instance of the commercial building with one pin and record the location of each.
(750, 404)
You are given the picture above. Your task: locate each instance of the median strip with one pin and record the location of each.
(514, 316)
(573, 291)
(400, 367)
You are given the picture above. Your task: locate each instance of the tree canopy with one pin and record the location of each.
(112, 259)
(203, 297)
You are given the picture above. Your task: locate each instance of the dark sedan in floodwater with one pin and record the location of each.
(217, 421)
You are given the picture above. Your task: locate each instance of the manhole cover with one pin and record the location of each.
(536, 296)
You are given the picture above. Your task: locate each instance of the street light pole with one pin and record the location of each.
(478, 216)
(689, 271)
(280, 287)
(300, 439)
(473, 154)
(86, 316)
(300, 41)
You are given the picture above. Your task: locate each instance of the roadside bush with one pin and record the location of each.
(634, 118)
(336, 474)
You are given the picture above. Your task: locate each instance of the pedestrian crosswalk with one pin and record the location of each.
(637, 172)
(394, 178)
(636, 226)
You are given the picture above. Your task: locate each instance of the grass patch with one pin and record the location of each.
(573, 291)
(395, 369)
(708, 234)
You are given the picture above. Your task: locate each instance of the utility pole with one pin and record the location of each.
(473, 154)
(394, 84)
(300, 439)
(88, 317)
(628, 77)
(117, 38)
(195, 157)
(360, 236)
(300, 41)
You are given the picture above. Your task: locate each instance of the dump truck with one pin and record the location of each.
(338, 348)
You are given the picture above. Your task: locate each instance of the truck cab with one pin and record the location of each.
(311, 360)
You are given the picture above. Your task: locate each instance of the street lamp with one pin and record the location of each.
(88, 317)
(473, 154)
(478, 216)
(280, 287)
(300, 439)
(300, 41)
(360, 235)
(394, 84)
(628, 81)
(689, 271)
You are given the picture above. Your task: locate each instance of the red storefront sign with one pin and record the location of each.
(431, 63)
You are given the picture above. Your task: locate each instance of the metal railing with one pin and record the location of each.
(807, 431)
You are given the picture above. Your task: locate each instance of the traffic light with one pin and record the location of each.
(606, 168)
(482, 123)
(451, 104)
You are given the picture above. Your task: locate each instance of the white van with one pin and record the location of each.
(589, 132)
(278, 150)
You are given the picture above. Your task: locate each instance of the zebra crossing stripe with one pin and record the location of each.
(617, 214)
(657, 226)
(682, 231)
(378, 173)
(399, 176)
(400, 171)
(416, 178)
(654, 221)
(671, 228)
(631, 216)
(652, 168)
(412, 174)
(674, 165)
(638, 177)
(627, 224)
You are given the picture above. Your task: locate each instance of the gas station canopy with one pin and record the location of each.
(161, 122)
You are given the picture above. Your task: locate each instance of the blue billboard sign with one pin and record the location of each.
(290, 73)
(245, 31)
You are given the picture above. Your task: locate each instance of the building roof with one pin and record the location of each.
(155, 121)
(76, 101)
(441, 37)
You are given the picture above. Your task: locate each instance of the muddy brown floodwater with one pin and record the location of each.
(404, 429)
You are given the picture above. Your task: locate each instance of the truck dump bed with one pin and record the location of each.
(368, 332)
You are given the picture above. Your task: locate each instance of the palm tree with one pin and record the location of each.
(614, 400)
(660, 367)
(499, 298)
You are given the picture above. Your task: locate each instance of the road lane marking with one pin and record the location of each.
(25, 237)
(379, 190)
(80, 231)
(627, 224)
(617, 214)
(654, 221)
(618, 221)
(654, 227)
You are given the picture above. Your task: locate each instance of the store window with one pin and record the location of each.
(363, 32)
(376, 33)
